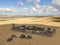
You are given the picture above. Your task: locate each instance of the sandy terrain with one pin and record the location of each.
(5, 31)
(30, 20)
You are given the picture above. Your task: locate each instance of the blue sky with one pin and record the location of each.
(8, 3)
(13, 3)
(30, 6)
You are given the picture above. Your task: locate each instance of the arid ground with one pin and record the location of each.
(6, 32)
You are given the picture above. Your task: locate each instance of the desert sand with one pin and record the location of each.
(6, 32)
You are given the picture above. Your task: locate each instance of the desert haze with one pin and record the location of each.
(6, 32)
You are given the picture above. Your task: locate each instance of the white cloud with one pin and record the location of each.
(37, 9)
(56, 3)
(49, 9)
(37, 6)
(20, 3)
(35, 2)
(38, 0)
(41, 10)
(34, 9)
(46, 8)
(7, 10)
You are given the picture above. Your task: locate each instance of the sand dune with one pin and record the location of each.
(30, 20)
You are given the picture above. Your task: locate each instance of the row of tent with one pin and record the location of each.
(36, 30)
